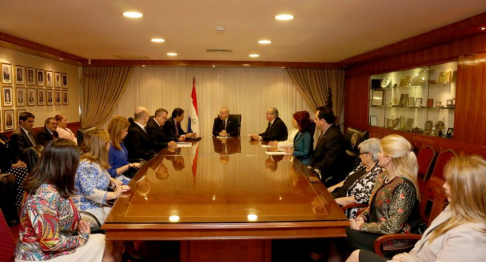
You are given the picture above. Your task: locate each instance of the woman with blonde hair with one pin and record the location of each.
(459, 232)
(118, 153)
(63, 130)
(393, 206)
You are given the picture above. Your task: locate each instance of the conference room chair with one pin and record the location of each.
(425, 161)
(238, 116)
(353, 137)
(7, 242)
(82, 132)
(32, 155)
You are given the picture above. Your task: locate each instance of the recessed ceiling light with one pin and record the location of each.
(60, 58)
(284, 17)
(157, 40)
(214, 66)
(254, 55)
(264, 42)
(246, 64)
(482, 28)
(283, 66)
(143, 65)
(132, 14)
(171, 54)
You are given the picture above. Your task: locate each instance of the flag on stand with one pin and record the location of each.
(193, 125)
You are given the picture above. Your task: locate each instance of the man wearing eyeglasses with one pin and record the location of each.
(276, 129)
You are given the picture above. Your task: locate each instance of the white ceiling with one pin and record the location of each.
(322, 31)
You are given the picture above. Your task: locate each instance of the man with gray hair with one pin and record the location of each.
(137, 141)
(276, 129)
(225, 125)
(156, 132)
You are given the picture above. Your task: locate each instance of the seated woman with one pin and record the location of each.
(49, 216)
(357, 186)
(92, 179)
(118, 154)
(303, 146)
(63, 130)
(459, 232)
(11, 164)
(393, 206)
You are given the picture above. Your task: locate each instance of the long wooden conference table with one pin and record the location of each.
(224, 199)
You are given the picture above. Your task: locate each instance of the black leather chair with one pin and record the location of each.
(238, 116)
(32, 155)
(82, 132)
(353, 138)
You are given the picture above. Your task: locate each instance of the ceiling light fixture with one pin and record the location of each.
(157, 40)
(132, 14)
(171, 54)
(254, 55)
(482, 28)
(214, 66)
(284, 17)
(246, 64)
(60, 58)
(264, 42)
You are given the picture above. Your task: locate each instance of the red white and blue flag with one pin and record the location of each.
(193, 125)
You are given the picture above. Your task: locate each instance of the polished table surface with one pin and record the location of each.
(224, 189)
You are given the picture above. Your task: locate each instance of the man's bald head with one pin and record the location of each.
(141, 115)
(224, 113)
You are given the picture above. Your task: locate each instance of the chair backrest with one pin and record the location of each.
(82, 132)
(32, 155)
(425, 158)
(440, 163)
(238, 116)
(353, 137)
(7, 243)
(438, 201)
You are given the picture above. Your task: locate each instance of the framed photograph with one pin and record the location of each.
(377, 98)
(40, 77)
(19, 75)
(404, 81)
(41, 94)
(8, 120)
(18, 112)
(453, 101)
(389, 123)
(7, 73)
(445, 77)
(403, 100)
(57, 80)
(450, 132)
(65, 97)
(409, 124)
(430, 103)
(418, 102)
(31, 94)
(373, 120)
(49, 78)
(20, 95)
(449, 102)
(58, 98)
(437, 104)
(50, 97)
(411, 102)
(7, 96)
(30, 76)
(64, 80)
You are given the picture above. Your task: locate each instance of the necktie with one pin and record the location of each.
(31, 137)
(177, 129)
(225, 124)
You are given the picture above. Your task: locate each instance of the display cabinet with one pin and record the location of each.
(419, 100)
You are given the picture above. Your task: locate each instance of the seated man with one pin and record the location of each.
(172, 127)
(276, 130)
(49, 132)
(328, 161)
(224, 125)
(156, 133)
(137, 141)
(23, 137)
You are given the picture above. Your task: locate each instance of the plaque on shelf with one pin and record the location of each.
(450, 132)
(445, 77)
(377, 98)
(411, 102)
(404, 81)
(389, 123)
(419, 79)
(453, 101)
(439, 127)
(428, 127)
(403, 122)
(437, 104)
(430, 103)
(373, 120)
(418, 102)
(403, 100)
(409, 125)
(396, 122)
(449, 102)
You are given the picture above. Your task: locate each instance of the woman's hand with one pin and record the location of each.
(120, 190)
(289, 150)
(83, 227)
(357, 223)
(399, 257)
(116, 183)
(135, 165)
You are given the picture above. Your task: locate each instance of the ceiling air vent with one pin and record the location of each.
(132, 57)
(219, 51)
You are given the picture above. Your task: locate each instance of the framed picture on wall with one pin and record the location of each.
(20, 95)
(9, 120)
(41, 94)
(7, 96)
(49, 78)
(50, 97)
(58, 98)
(377, 97)
(64, 80)
(57, 80)
(31, 95)
(40, 77)
(65, 97)
(19, 75)
(18, 112)
(30, 76)
(7, 73)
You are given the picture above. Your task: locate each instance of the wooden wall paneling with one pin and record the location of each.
(356, 105)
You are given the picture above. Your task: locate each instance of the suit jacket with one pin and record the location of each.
(170, 128)
(157, 135)
(20, 142)
(329, 155)
(138, 143)
(231, 127)
(44, 136)
(7, 155)
(276, 131)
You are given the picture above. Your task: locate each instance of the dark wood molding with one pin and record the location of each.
(74, 126)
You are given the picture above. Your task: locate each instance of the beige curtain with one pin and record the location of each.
(102, 89)
(315, 84)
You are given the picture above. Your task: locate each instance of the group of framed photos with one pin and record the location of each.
(33, 87)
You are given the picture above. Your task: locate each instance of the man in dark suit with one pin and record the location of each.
(137, 141)
(276, 130)
(224, 125)
(49, 132)
(328, 161)
(172, 127)
(23, 137)
(156, 132)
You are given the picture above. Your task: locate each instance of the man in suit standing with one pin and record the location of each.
(23, 137)
(137, 141)
(224, 125)
(328, 161)
(276, 130)
(49, 132)
(156, 132)
(172, 127)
